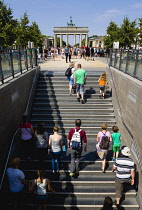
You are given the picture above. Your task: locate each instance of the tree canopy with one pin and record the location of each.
(112, 34)
(127, 34)
(19, 32)
(7, 26)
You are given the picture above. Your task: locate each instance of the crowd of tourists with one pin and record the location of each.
(67, 53)
(53, 145)
(40, 141)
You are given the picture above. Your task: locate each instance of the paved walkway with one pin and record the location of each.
(60, 65)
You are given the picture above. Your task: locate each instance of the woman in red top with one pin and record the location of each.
(26, 137)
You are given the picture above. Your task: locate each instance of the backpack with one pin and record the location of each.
(104, 144)
(41, 141)
(68, 72)
(76, 140)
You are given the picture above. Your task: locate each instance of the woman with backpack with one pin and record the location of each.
(103, 139)
(69, 73)
(41, 140)
(39, 186)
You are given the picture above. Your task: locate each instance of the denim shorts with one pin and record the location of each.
(102, 87)
(71, 81)
(80, 88)
(41, 197)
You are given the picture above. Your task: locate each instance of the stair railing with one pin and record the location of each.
(13, 138)
(135, 147)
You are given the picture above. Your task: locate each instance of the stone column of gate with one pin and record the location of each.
(61, 40)
(80, 40)
(66, 39)
(86, 40)
(55, 41)
(74, 39)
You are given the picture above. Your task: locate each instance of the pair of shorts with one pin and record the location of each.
(18, 196)
(41, 197)
(116, 148)
(119, 185)
(102, 87)
(80, 88)
(71, 81)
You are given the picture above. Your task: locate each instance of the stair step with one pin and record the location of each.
(70, 105)
(79, 203)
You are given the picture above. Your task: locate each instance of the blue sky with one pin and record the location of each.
(94, 14)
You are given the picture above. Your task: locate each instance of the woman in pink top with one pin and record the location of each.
(26, 137)
(102, 153)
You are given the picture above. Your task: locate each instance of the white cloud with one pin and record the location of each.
(109, 14)
(112, 11)
(136, 6)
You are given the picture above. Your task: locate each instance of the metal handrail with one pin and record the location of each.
(121, 116)
(11, 52)
(11, 145)
(126, 70)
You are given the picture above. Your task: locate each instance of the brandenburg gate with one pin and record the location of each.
(70, 29)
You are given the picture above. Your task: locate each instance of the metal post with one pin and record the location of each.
(115, 60)
(110, 62)
(26, 60)
(31, 56)
(11, 63)
(120, 59)
(127, 62)
(36, 63)
(20, 64)
(1, 73)
(136, 64)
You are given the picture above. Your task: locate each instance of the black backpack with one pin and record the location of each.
(68, 72)
(104, 144)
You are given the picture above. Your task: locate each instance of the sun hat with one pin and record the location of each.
(126, 151)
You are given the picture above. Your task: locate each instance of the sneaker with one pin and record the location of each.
(77, 172)
(82, 101)
(71, 174)
(78, 99)
(113, 159)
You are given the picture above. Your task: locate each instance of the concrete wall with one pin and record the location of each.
(129, 92)
(13, 101)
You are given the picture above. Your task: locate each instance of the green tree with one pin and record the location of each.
(128, 32)
(8, 26)
(112, 35)
(23, 31)
(83, 42)
(140, 32)
(35, 35)
(58, 42)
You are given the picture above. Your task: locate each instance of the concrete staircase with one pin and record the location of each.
(54, 106)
